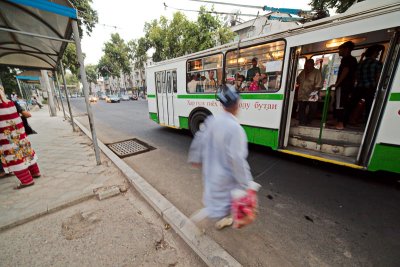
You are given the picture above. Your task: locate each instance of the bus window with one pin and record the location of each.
(266, 59)
(174, 85)
(169, 82)
(163, 82)
(158, 82)
(204, 75)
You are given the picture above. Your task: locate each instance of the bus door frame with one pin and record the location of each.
(160, 96)
(380, 101)
(291, 76)
(171, 87)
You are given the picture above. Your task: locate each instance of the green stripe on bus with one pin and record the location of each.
(394, 97)
(153, 116)
(242, 96)
(262, 136)
(151, 96)
(262, 96)
(385, 157)
(197, 96)
(183, 122)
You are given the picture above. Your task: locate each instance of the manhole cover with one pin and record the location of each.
(129, 147)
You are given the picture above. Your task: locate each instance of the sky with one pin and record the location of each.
(129, 17)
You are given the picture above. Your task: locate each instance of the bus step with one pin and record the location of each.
(333, 147)
(349, 136)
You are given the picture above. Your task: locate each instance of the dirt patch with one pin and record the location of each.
(80, 224)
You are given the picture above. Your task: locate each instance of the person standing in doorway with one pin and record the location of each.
(16, 153)
(368, 73)
(309, 80)
(220, 148)
(344, 84)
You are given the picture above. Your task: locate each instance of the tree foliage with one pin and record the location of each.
(70, 60)
(138, 52)
(340, 5)
(87, 16)
(116, 57)
(87, 20)
(180, 36)
(7, 77)
(91, 75)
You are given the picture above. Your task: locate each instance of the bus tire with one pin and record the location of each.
(196, 120)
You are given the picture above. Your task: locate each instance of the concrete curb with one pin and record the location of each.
(205, 247)
(50, 209)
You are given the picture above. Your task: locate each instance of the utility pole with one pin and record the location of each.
(85, 89)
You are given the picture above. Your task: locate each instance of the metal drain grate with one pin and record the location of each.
(129, 147)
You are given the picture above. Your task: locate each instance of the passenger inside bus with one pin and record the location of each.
(309, 82)
(357, 69)
(192, 84)
(255, 84)
(210, 84)
(367, 77)
(344, 85)
(252, 72)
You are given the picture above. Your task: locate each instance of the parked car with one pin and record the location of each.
(124, 98)
(112, 99)
(93, 99)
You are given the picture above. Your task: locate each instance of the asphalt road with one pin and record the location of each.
(311, 213)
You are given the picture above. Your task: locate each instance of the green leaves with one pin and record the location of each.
(340, 5)
(171, 39)
(87, 16)
(116, 58)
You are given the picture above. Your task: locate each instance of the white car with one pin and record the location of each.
(112, 99)
(124, 98)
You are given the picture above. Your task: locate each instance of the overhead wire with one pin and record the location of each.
(209, 12)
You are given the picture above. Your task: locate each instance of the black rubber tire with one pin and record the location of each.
(196, 120)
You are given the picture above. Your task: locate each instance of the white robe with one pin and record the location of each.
(221, 147)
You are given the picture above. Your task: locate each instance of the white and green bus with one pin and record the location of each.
(178, 96)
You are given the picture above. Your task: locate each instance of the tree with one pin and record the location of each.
(178, 37)
(70, 60)
(116, 57)
(7, 77)
(138, 54)
(91, 75)
(87, 20)
(340, 5)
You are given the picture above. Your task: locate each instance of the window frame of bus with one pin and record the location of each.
(258, 44)
(158, 82)
(202, 70)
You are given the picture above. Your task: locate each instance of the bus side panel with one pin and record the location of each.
(151, 95)
(386, 154)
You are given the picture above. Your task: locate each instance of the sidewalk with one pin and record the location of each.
(65, 193)
(69, 172)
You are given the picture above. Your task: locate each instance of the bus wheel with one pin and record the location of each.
(197, 120)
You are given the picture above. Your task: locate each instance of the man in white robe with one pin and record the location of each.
(221, 149)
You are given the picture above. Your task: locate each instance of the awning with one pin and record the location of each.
(34, 33)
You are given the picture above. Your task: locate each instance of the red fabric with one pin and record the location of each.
(24, 176)
(19, 153)
(9, 116)
(19, 126)
(6, 142)
(34, 169)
